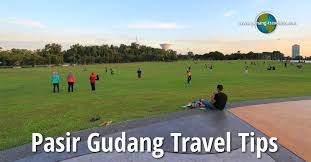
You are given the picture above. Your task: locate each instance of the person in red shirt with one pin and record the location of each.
(93, 80)
(71, 81)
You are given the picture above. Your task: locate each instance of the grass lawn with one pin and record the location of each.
(28, 105)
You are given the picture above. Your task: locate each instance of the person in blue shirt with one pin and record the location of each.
(139, 72)
(55, 79)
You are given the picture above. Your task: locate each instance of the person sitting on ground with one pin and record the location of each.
(269, 67)
(299, 66)
(218, 100)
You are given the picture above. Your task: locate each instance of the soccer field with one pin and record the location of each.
(28, 104)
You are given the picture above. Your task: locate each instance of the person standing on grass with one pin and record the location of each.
(55, 79)
(139, 73)
(189, 74)
(93, 81)
(70, 80)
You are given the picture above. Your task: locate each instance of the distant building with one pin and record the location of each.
(165, 46)
(295, 50)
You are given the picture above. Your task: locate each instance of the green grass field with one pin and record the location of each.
(28, 104)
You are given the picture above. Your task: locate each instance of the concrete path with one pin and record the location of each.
(191, 123)
(234, 156)
(289, 121)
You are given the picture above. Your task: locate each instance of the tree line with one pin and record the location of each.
(216, 55)
(78, 54)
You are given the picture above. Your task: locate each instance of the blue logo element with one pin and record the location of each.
(266, 23)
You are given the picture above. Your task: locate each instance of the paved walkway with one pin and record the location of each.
(191, 123)
(289, 121)
(234, 156)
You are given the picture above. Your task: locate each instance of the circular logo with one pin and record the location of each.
(266, 23)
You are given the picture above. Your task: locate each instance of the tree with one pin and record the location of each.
(54, 53)
(72, 55)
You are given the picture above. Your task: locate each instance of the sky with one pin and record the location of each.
(200, 26)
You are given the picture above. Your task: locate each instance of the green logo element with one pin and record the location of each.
(266, 23)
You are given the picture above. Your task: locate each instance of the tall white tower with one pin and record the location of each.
(165, 46)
